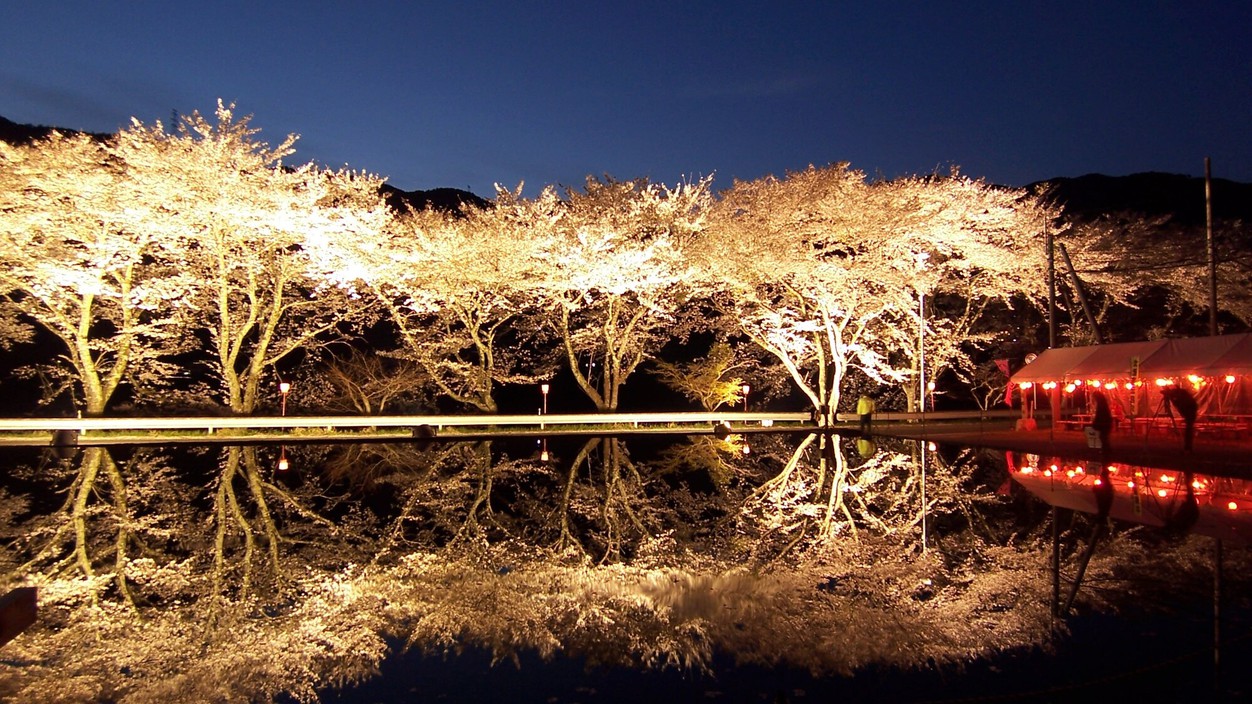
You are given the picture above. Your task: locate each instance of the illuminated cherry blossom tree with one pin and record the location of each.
(1127, 258)
(809, 277)
(981, 246)
(455, 288)
(616, 274)
(825, 270)
(79, 259)
(239, 224)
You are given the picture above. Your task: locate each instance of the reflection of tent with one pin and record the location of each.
(1217, 370)
(1144, 495)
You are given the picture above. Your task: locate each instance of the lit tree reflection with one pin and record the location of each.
(815, 566)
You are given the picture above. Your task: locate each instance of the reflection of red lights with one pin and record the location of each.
(1220, 506)
(1159, 485)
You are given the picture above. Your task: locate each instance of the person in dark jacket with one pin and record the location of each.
(1102, 419)
(1182, 400)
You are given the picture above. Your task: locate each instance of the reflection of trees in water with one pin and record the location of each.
(222, 582)
(819, 495)
(602, 515)
(103, 521)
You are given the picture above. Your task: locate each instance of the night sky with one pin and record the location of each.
(469, 94)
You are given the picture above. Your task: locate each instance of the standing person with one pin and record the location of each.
(1187, 408)
(865, 409)
(1102, 419)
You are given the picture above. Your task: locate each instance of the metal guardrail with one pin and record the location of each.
(436, 421)
(72, 432)
(210, 423)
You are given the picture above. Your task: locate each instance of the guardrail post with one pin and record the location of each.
(18, 610)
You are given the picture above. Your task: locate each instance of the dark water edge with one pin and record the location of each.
(1103, 659)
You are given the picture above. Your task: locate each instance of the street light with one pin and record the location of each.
(284, 388)
(543, 388)
(745, 390)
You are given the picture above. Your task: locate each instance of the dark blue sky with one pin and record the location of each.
(467, 94)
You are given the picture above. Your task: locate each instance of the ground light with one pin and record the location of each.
(544, 388)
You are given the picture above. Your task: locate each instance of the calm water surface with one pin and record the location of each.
(760, 568)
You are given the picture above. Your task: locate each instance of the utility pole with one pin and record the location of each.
(1047, 231)
(1212, 248)
(1082, 297)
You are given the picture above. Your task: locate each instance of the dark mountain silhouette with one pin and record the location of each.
(1153, 194)
(448, 200)
(15, 133)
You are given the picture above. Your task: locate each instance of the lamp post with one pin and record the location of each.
(284, 388)
(746, 388)
(543, 411)
(544, 388)
(920, 259)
